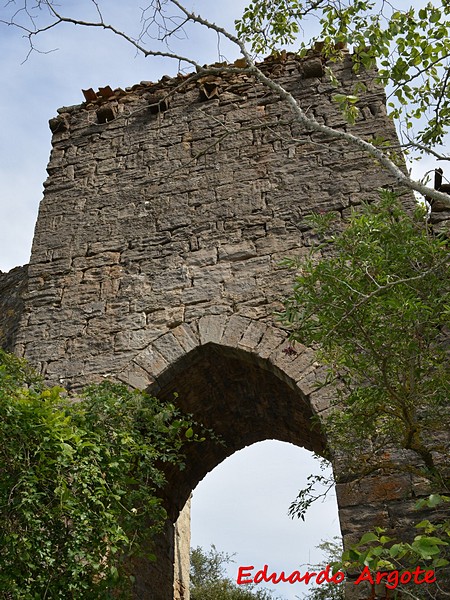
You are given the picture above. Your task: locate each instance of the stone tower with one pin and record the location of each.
(156, 261)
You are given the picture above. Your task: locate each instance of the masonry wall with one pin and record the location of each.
(13, 287)
(156, 260)
(152, 220)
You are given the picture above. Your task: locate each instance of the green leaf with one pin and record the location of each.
(369, 537)
(435, 16)
(83, 477)
(395, 550)
(434, 500)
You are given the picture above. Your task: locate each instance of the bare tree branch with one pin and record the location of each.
(412, 144)
(308, 121)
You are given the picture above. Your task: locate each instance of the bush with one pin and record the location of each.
(79, 483)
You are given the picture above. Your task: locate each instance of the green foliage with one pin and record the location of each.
(410, 47)
(267, 24)
(429, 549)
(377, 307)
(209, 582)
(308, 495)
(332, 550)
(79, 483)
(347, 106)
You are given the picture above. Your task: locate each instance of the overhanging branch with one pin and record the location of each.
(306, 120)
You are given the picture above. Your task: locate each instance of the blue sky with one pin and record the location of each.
(242, 505)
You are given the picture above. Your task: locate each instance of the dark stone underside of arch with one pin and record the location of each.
(243, 401)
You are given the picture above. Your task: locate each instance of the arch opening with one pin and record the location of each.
(242, 508)
(244, 399)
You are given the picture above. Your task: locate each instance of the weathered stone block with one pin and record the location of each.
(239, 251)
(234, 330)
(151, 361)
(211, 328)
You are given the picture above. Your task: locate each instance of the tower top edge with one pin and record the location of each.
(310, 65)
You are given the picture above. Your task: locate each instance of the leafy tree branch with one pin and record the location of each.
(208, 580)
(378, 311)
(405, 45)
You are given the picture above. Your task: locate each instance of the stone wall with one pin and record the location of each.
(156, 261)
(13, 287)
(154, 220)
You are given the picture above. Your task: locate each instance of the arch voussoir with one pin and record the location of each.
(293, 367)
(149, 363)
(313, 377)
(169, 347)
(253, 335)
(211, 328)
(272, 339)
(135, 376)
(148, 366)
(234, 330)
(186, 336)
(322, 399)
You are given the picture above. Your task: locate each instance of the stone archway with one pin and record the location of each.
(240, 383)
(244, 401)
(234, 375)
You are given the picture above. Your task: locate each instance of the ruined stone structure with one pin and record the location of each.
(12, 290)
(156, 261)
